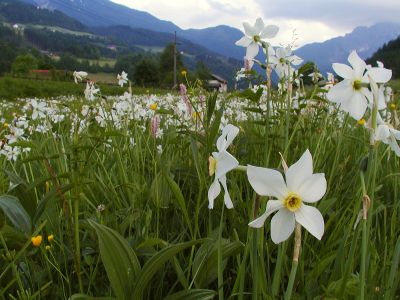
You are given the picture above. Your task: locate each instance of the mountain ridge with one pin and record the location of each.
(366, 40)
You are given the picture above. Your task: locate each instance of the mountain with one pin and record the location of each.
(96, 13)
(104, 13)
(220, 39)
(13, 12)
(365, 40)
(389, 54)
(54, 32)
(156, 41)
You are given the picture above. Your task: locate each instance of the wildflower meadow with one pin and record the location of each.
(282, 190)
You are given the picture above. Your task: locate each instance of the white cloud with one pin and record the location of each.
(312, 20)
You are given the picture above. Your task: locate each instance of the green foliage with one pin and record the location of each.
(14, 88)
(14, 211)
(146, 73)
(167, 65)
(193, 295)
(83, 46)
(15, 11)
(202, 72)
(24, 63)
(389, 56)
(121, 264)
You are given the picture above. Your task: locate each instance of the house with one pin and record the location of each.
(218, 83)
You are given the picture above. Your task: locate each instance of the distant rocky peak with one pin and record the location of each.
(44, 4)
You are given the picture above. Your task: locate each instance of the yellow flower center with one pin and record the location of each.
(153, 106)
(212, 165)
(393, 106)
(292, 202)
(361, 122)
(357, 85)
(5, 125)
(36, 240)
(256, 38)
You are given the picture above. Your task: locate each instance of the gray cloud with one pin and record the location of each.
(225, 7)
(339, 13)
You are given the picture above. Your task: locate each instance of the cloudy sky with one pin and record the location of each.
(310, 21)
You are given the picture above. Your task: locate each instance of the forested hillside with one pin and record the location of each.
(389, 54)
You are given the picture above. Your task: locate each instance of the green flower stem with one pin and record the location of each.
(296, 255)
(288, 101)
(220, 265)
(367, 199)
(363, 242)
(255, 264)
(241, 168)
(255, 250)
(76, 202)
(278, 270)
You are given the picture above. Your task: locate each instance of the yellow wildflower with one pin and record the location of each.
(50, 237)
(361, 122)
(36, 240)
(153, 106)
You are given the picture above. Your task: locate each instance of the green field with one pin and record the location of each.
(15, 88)
(110, 198)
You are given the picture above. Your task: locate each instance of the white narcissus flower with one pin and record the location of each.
(220, 163)
(301, 186)
(122, 79)
(79, 76)
(350, 93)
(254, 35)
(282, 60)
(91, 91)
(39, 109)
(386, 133)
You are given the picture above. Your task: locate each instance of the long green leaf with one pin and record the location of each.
(180, 201)
(154, 264)
(195, 294)
(205, 264)
(119, 259)
(86, 297)
(16, 213)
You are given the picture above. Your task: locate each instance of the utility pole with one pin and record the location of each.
(175, 81)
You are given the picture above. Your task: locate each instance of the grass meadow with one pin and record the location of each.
(111, 195)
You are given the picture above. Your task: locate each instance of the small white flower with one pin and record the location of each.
(39, 109)
(282, 61)
(122, 79)
(91, 91)
(79, 76)
(254, 35)
(159, 149)
(386, 133)
(350, 93)
(11, 153)
(301, 186)
(220, 163)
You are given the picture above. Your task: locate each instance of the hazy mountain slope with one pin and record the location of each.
(365, 40)
(103, 13)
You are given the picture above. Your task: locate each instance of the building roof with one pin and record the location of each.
(218, 78)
